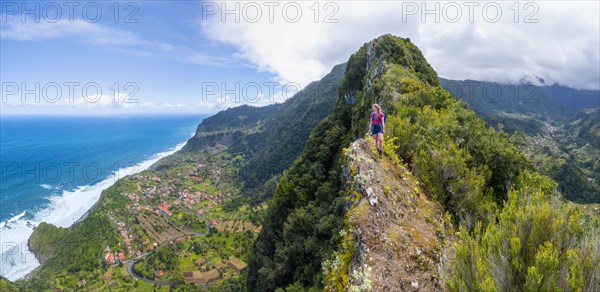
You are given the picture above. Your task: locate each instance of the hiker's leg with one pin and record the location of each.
(381, 141)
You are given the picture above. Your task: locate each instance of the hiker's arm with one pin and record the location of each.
(383, 124)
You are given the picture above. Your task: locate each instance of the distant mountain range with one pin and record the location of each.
(520, 106)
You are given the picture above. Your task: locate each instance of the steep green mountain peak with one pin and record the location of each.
(313, 234)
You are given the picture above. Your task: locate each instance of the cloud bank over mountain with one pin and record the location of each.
(491, 41)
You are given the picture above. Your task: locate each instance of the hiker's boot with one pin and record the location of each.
(379, 150)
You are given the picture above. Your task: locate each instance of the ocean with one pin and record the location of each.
(54, 169)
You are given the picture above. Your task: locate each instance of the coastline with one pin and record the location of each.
(142, 166)
(28, 271)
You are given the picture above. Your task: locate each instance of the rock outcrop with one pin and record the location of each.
(400, 235)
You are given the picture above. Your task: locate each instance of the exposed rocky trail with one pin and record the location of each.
(401, 238)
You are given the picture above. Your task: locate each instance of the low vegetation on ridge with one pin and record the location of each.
(472, 170)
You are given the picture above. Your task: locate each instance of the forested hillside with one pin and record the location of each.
(6, 285)
(586, 128)
(557, 127)
(268, 139)
(472, 170)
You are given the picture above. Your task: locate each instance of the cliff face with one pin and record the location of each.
(395, 234)
(45, 241)
(269, 138)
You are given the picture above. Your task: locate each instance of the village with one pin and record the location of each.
(178, 208)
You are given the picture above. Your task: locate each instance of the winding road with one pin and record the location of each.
(129, 263)
(133, 261)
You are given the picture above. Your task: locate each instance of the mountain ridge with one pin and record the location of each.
(471, 169)
(269, 138)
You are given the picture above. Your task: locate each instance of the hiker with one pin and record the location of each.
(377, 127)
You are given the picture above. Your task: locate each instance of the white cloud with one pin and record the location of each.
(563, 46)
(301, 52)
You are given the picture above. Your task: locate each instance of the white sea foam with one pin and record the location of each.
(17, 217)
(16, 260)
(12, 219)
(46, 186)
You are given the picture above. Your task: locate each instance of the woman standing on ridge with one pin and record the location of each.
(377, 127)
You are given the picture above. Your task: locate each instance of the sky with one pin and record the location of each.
(107, 57)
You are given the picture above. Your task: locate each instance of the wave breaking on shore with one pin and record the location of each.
(64, 210)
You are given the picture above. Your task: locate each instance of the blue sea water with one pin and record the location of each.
(54, 168)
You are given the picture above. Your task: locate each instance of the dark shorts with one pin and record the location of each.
(376, 129)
